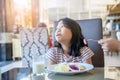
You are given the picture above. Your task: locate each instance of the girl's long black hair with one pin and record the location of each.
(77, 40)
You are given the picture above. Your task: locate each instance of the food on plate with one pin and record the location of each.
(82, 67)
(65, 67)
(74, 67)
(62, 67)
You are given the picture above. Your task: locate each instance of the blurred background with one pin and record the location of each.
(28, 13)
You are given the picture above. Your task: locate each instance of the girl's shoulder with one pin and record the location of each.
(54, 51)
(85, 47)
(53, 48)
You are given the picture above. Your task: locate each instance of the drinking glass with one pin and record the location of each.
(39, 77)
(39, 65)
(118, 35)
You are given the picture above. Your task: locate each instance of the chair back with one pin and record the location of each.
(34, 42)
(91, 29)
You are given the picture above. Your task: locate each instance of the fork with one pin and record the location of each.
(92, 40)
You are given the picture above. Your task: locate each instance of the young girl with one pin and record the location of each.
(69, 45)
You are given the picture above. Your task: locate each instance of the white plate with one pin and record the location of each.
(88, 67)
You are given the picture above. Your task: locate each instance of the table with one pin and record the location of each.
(107, 73)
(99, 73)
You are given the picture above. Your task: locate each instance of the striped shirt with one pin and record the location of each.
(56, 55)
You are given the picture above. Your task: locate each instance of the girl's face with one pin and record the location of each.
(63, 34)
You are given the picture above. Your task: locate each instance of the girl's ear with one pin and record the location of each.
(85, 41)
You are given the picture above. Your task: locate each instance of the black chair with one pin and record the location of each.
(91, 29)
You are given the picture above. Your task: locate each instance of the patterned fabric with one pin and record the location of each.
(56, 55)
(34, 42)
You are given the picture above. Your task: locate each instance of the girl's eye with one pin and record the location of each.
(57, 28)
(60, 27)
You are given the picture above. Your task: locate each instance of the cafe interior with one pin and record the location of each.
(22, 41)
